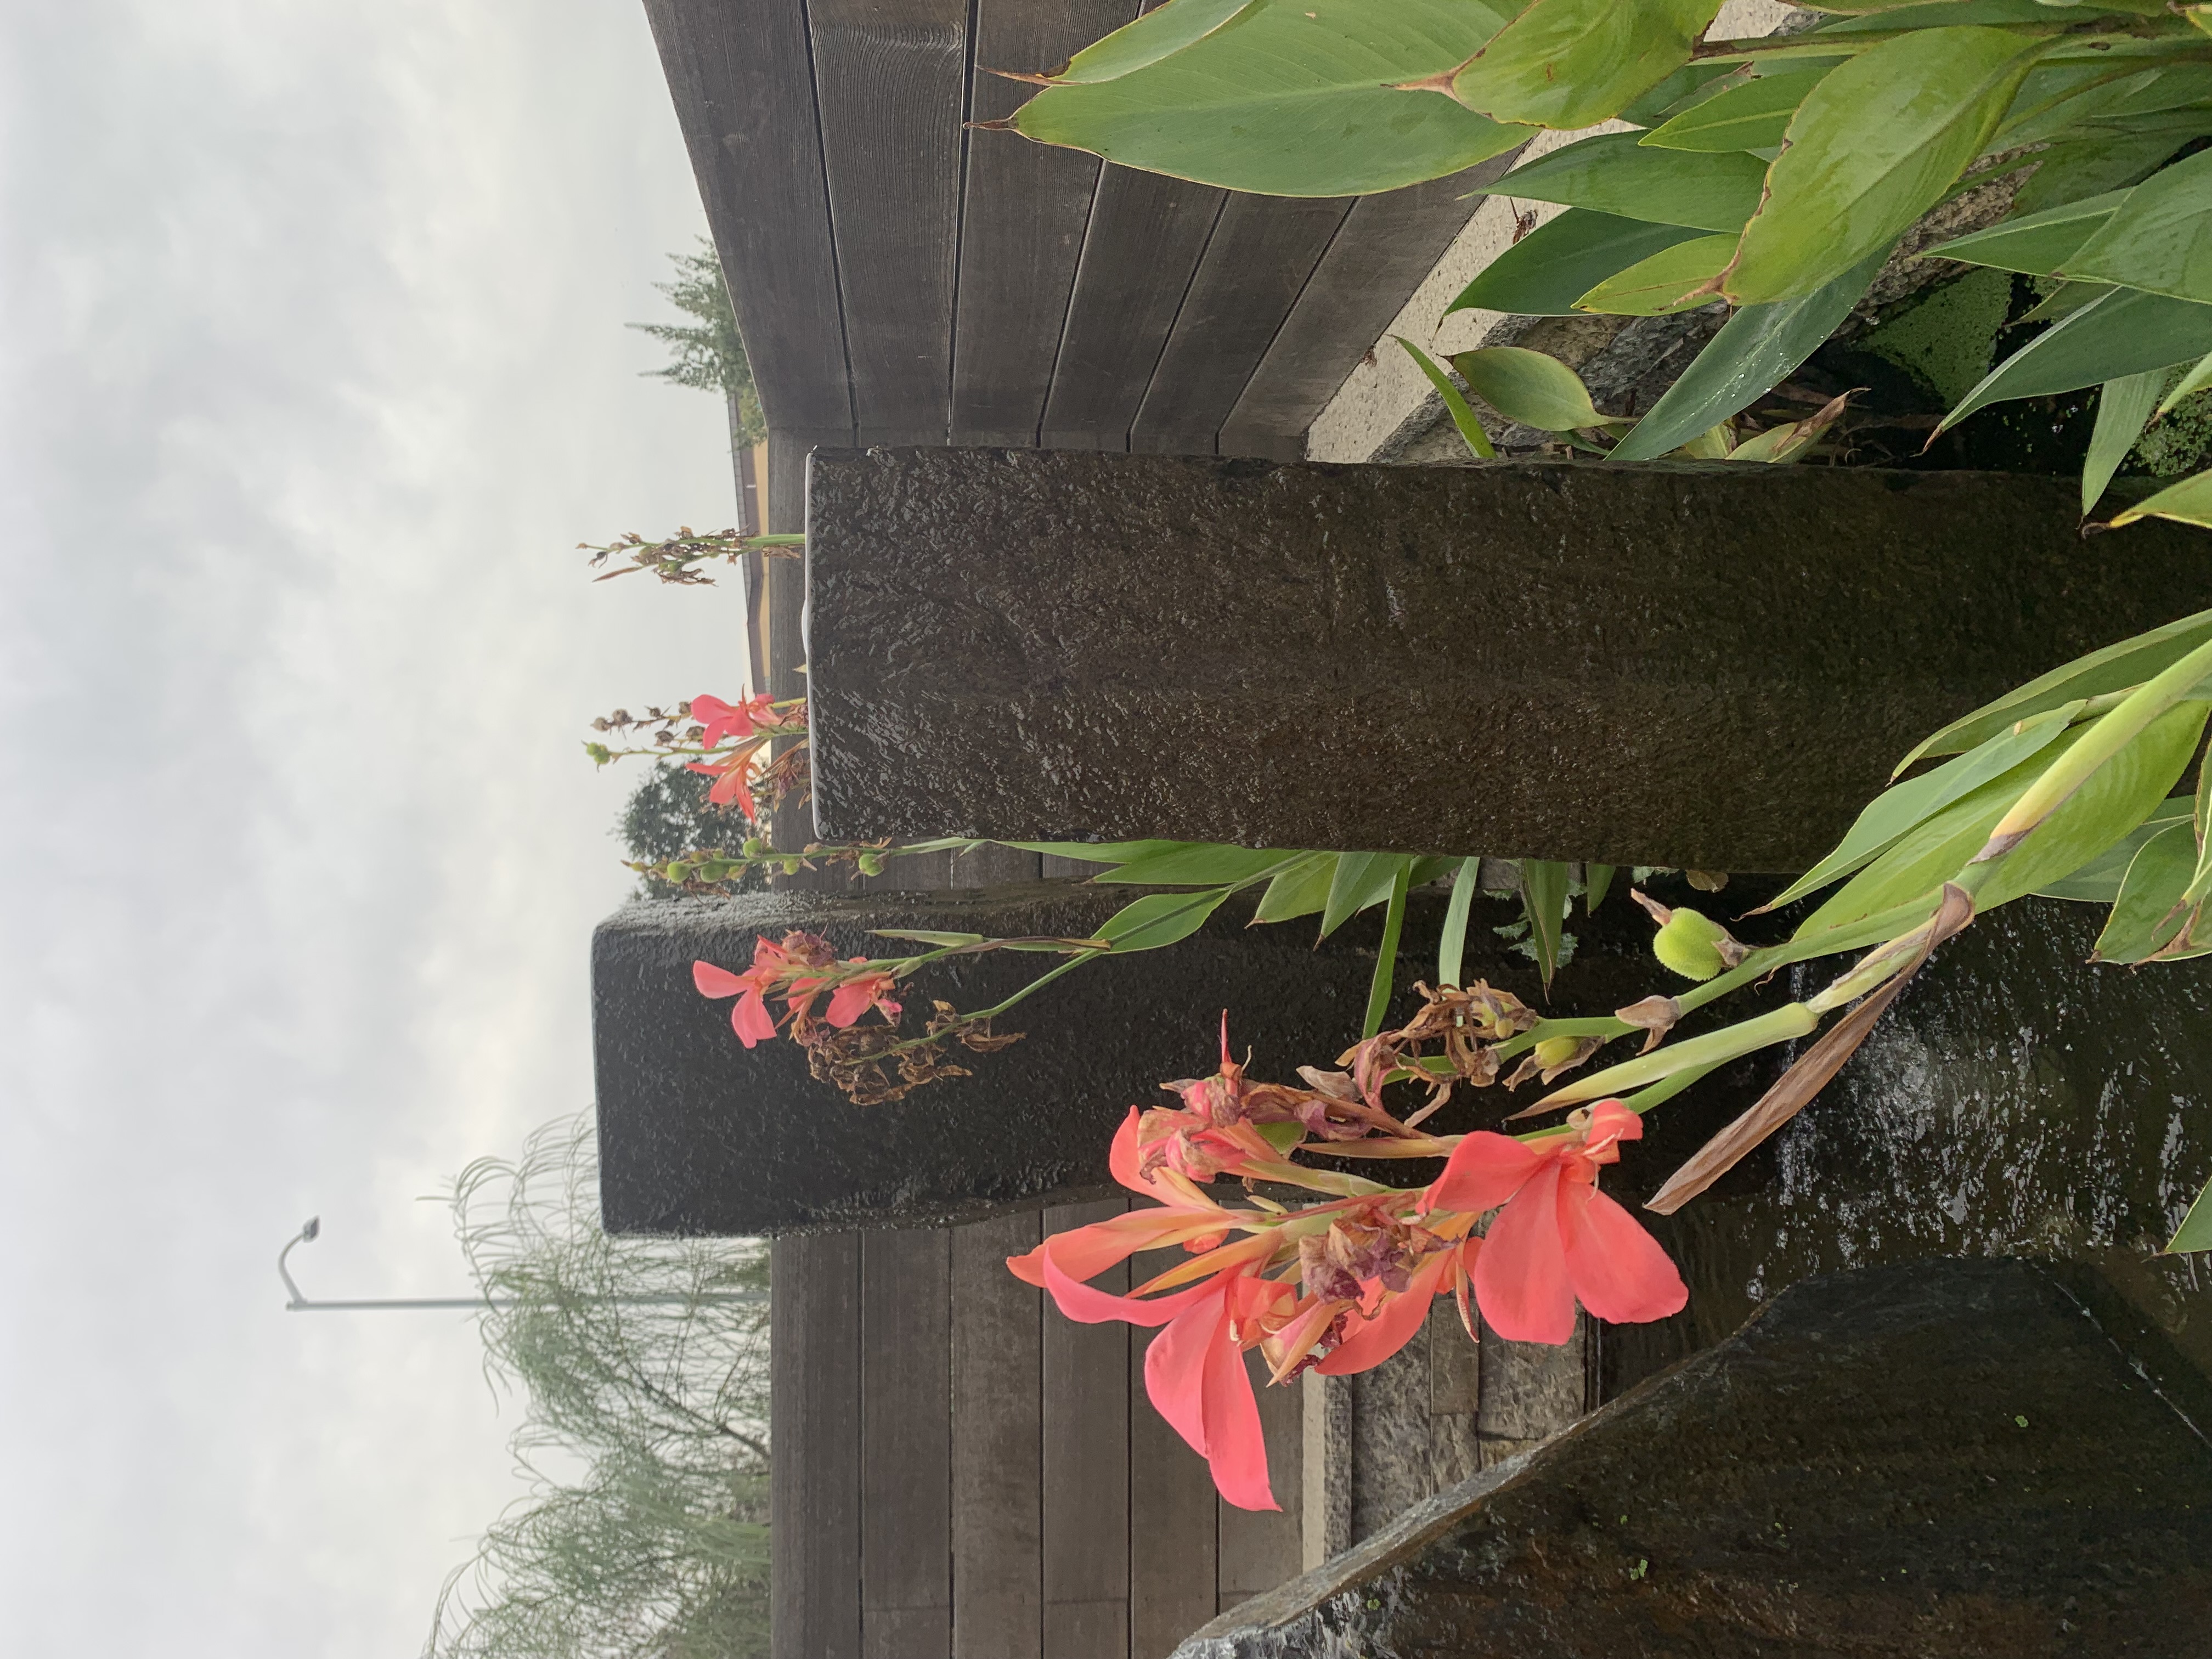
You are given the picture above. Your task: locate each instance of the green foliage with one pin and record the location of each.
(645, 1433)
(707, 353)
(668, 814)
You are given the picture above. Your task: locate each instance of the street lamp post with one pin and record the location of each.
(311, 1229)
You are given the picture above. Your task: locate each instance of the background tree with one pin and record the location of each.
(668, 814)
(707, 353)
(645, 1430)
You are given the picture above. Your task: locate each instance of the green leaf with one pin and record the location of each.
(1614, 173)
(1159, 919)
(1752, 116)
(2098, 882)
(1544, 273)
(1544, 901)
(1686, 88)
(1754, 352)
(1386, 955)
(1096, 851)
(1300, 890)
(920, 937)
(2195, 380)
(1528, 387)
(1197, 864)
(2063, 302)
(1164, 29)
(2116, 797)
(1361, 879)
(1873, 147)
(2114, 668)
(2125, 331)
(2038, 244)
(2188, 501)
(1451, 945)
(1900, 808)
(1664, 283)
(1597, 881)
(2094, 166)
(1290, 97)
(2123, 410)
(2160, 239)
(1569, 64)
(2146, 913)
(1470, 429)
(2195, 1232)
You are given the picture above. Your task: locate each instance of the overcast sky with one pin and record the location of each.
(314, 372)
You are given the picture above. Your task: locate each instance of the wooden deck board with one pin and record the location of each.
(998, 1575)
(905, 1440)
(1086, 1471)
(1259, 1548)
(1174, 1523)
(814, 1373)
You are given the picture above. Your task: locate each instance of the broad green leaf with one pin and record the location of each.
(2188, 501)
(2093, 165)
(2098, 882)
(2160, 238)
(1663, 282)
(1544, 901)
(2147, 911)
(1300, 890)
(1898, 808)
(1290, 97)
(2117, 796)
(1544, 273)
(1435, 867)
(1597, 881)
(1755, 350)
(1614, 173)
(1164, 29)
(2126, 331)
(1889, 14)
(1752, 116)
(1159, 919)
(2063, 302)
(922, 937)
(2115, 667)
(2195, 380)
(2038, 244)
(2195, 1232)
(1386, 954)
(1528, 387)
(1451, 945)
(1198, 864)
(1873, 147)
(2123, 410)
(1570, 64)
(1470, 428)
(2173, 85)
(2056, 98)
(1361, 879)
(1097, 852)
(1687, 87)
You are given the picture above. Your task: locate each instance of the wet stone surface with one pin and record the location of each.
(1948, 1458)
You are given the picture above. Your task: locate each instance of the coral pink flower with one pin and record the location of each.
(856, 996)
(751, 1018)
(723, 719)
(731, 775)
(1558, 1238)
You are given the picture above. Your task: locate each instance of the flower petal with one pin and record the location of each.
(751, 1020)
(1087, 1252)
(713, 982)
(1236, 1449)
(1521, 1277)
(1391, 1328)
(1088, 1306)
(1175, 1363)
(849, 1001)
(1618, 1269)
(1484, 1169)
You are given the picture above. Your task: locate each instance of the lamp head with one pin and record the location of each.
(314, 1226)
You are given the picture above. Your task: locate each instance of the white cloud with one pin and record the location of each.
(314, 373)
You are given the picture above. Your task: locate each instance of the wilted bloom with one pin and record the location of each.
(1558, 1239)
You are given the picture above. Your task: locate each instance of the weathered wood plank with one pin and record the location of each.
(1086, 1469)
(1144, 241)
(744, 98)
(891, 78)
(998, 1570)
(814, 1485)
(906, 1440)
(1257, 262)
(1260, 1549)
(1022, 225)
(1173, 1527)
(1387, 244)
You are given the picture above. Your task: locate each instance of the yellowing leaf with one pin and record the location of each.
(2188, 501)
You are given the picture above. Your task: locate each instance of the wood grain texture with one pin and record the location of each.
(998, 1571)
(1256, 265)
(1260, 1549)
(1022, 228)
(890, 79)
(1387, 244)
(1086, 1469)
(906, 1439)
(814, 1375)
(744, 98)
(1173, 1527)
(1145, 240)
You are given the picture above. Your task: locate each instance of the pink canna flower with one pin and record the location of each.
(854, 997)
(724, 719)
(1557, 1239)
(732, 775)
(750, 1018)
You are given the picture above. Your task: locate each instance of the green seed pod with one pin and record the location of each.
(754, 847)
(872, 864)
(1556, 1051)
(1689, 943)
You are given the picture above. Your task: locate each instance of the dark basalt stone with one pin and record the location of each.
(1701, 666)
(1947, 1459)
